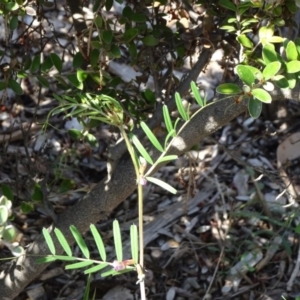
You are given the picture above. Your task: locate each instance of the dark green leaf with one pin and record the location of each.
(47, 64)
(130, 34)
(78, 60)
(132, 50)
(73, 79)
(109, 4)
(22, 74)
(15, 86)
(95, 58)
(281, 81)
(12, 6)
(150, 41)
(254, 107)
(115, 51)
(26, 207)
(35, 63)
(37, 193)
(136, 17)
(49, 241)
(3, 85)
(7, 192)
(227, 4)
(13, 23)
(75, 134)
(56, 62)
(98, 21)
(107, 36)
(80, 242)
(66, 185)
(269, 54)
(43, 81)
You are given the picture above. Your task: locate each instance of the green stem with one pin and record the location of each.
(140, 205)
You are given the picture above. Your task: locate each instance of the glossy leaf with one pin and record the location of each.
(162, 184)
(73, 79)
(35, 63)
(196, 94)
(130, 34)
(245, 74)
(152, 137)
(107, 36)
(134, 243)
(115, 51)
(291, 51)
(81, 75)
(79, 265)
(262, 95)
(80, 241)
(245, 41)
(229, 89)
(56, 62)
(62, 240)
(91, 139)
(99, 242)
(49, 241)
(254, 107)
(269, 54)
(141, 149)
(75, 134)
(15, 86)
(293, 66)
(271, 69)
(265, 32)
(275, 39)
(180, 107)
(281, 81)
(117, 240)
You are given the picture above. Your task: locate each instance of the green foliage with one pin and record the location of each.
(91, 265)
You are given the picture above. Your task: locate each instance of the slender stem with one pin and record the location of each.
(139, 173)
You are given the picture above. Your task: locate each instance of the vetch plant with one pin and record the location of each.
(89, 108)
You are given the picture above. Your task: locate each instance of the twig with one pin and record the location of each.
(290, 283)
